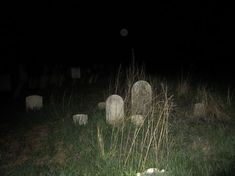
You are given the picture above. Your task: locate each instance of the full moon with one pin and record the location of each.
(123, 32)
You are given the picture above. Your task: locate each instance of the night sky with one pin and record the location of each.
(164, 36)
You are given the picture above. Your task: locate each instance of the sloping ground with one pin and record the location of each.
(47, 143)
(31, 148)
(33, 140)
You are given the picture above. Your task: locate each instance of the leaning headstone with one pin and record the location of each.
(199, 110)
(114, 109)
(5, 83)
(141, 98)
(81, 119)
(137, 119)
(76, 73)
(34, 102)
(101, 105)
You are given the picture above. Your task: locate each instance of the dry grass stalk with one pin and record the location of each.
(100, 142)
(150, 138)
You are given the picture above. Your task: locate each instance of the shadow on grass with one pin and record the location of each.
(230, 171)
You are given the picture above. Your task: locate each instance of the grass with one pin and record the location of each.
(47, 142)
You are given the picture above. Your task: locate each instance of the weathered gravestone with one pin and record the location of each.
(81, 119)
(114, 109)
(141, 98)
(33, 102)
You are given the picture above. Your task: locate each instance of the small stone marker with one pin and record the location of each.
(114, 109)
(34, 102)
(76, 73)
(101, 105)
(141, 98)
(81, 119)
(199, 110)
(137, 119)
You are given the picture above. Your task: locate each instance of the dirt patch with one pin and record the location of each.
(60, 155)
(42, 161)
(21, 149)
(36, 138)
(202, 145)
(15, 150)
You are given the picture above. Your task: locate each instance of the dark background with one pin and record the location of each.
(197, 37)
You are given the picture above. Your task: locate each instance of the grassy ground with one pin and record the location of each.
(47, 142)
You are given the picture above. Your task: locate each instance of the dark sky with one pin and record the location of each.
(196, 34)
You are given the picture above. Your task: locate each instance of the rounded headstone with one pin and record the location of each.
(114, 109)
(141, 98)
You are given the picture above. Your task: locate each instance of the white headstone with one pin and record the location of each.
(114, 109)
(81, 119)
(141, 98)
(34, 102)
(76, 73)
(137, 119)
(5, 82)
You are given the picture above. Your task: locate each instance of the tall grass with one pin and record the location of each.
(137, 147)
(164, 141)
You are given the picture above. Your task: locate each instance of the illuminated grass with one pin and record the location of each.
(48, 143)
